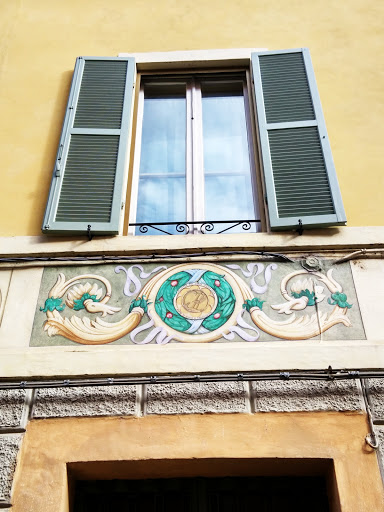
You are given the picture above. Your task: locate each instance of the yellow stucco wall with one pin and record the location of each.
(40, 39)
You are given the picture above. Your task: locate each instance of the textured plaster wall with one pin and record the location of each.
(87, 401)
(197, 398)
(40, 40)
(380, 438)
(171, 399)
(9, 447)
(12, 405)
(283, 396)
(14, 413)
(376, 399)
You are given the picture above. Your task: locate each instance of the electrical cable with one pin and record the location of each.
(323, 375)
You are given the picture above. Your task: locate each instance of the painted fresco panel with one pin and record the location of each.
(196, 302)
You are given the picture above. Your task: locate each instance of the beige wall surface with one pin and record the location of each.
(40, 40)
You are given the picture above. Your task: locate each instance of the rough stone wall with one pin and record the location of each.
(86, 401)
(289, 396)
(14, 413)
(18, 407)
(376, 401)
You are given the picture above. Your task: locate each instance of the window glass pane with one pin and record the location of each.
(161, 194)
(224, 128)
(161, 200)
(229, 197)
(227, 169)
(164, 130)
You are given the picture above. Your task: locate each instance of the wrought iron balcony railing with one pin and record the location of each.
(203, 227)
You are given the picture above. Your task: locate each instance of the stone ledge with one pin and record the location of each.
(314, 240)
(175, 358)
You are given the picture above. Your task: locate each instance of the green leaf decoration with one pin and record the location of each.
(305, 293)
(161, 308)
(226, 300)
(51, 304)
(340, 299)
(167, 293)
(223, 290)
(144, 304)
(79, 304)
(140, 302)
(177, 322)
(134, 304)
(253, 303)
(211, 323)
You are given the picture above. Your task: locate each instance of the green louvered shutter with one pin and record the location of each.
(300, 178)
(87, 184)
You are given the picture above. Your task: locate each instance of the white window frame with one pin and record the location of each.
(200, 61)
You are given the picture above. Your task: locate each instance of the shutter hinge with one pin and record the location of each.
(58, 163)
(300, 229)
(122, 205)
(89, 233)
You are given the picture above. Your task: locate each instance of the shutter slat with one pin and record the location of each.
(103, 83)
(285, 82)
(305, 157)
(106, 148)
(103, 147)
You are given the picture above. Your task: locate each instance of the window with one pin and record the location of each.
(195, 149)
(194, 155)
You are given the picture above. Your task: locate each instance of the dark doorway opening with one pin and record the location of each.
(227, 494)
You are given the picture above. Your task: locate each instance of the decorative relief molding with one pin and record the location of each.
(196, 303)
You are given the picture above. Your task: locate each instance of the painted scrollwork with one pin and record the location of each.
(303, 293)
(92, 299)
(194, 303)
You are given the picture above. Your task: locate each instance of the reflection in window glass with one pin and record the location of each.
(224, 129)
(161, 196)
(163, 136)
(228, 184)
(161, 199)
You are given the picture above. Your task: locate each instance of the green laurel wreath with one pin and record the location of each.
(225, 301)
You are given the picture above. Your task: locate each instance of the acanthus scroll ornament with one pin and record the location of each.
(194, 303)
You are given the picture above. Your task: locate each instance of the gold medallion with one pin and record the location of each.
(195, 301)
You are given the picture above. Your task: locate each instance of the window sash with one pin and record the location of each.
(194, 158)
